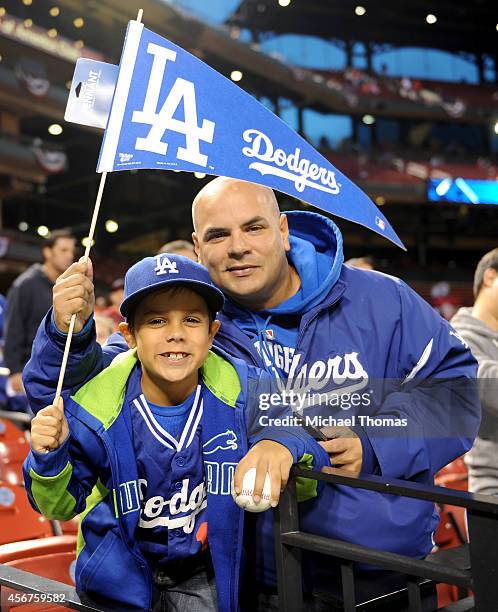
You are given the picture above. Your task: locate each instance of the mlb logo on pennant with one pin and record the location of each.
(164, 265)
(270, 335)
(380, 223)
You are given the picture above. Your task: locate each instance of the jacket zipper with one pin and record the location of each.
(143, 563)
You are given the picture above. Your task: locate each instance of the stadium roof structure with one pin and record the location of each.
(67, 197)
(462, 25)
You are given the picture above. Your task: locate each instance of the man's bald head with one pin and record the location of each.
(222, 186)
(243, 240)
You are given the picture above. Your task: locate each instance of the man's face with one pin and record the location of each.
(242, 240)
(172, 334)
(61, 255)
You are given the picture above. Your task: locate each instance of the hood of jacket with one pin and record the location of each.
(466, 322)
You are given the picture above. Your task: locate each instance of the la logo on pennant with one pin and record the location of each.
(164, 265)
(163, 120)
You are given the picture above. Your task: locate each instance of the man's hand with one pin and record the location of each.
(15, 381)
(265, 456)
(49, 428)
(344, 448)
(73, 293)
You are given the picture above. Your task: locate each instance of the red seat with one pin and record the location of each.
(452, 529)
(70, 527)
(14, 447)
(12, 473)
(51, 558)
(18, 520)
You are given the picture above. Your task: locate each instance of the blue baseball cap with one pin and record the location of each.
(168, 270)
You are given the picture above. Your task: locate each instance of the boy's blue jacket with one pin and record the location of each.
(368, 333)
(94, 474)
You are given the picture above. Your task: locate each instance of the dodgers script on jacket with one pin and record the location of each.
(171, 111)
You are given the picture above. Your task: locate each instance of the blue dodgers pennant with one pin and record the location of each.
(171, 111)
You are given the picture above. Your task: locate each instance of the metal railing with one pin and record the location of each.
(473, 566)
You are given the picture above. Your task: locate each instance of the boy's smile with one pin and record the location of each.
(173, 334)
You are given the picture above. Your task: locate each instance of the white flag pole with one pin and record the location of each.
(85, 259)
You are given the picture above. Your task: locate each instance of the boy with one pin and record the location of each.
(146, 450)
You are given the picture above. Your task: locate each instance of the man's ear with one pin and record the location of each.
(213, 330)
(195, 240)
(128, 335)
(284, 232)
(489, 277)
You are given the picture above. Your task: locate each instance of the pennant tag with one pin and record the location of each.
(91, 93)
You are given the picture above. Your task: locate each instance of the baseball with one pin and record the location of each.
(245, 500)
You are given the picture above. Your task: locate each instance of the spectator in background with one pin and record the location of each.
(115, 297)
(365, 263)
(29, 299)
(104, 327)
(478, 326)
(101, 303)
(179, 247)
(443, 300)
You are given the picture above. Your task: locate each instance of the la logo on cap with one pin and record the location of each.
(164, 265)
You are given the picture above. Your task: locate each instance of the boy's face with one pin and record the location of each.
(172, 334)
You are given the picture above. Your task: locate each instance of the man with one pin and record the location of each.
(179, 247)
(478, 326)
(364, 263)
(319, 326)
(115, 297)
(29, 299)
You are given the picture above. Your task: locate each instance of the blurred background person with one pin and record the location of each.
(179, 247)
(104, 327)
(115, 298)
(365, 263)
(28, 300)
(478, 326)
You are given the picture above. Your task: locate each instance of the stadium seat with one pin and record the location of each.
(18, 520)
(14, 446)
(51, 558)
(70, 527)
(452, 530)
(12, 473)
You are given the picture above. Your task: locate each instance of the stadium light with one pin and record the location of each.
(3, 11)
(360, 10)
(79, 22)
(43, 231)
(55, 11)
(431, 18)
(23, 226)
(55, 129)
(380, 200)
(28, 23)
(79, 44)
(496, 127)
(200, 175)
(368, 119)
(236, 75)
(27, 2)
(284, 2)
(111, 226)
(52, 33)
(85, 240)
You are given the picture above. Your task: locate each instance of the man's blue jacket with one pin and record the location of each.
(370, 333)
